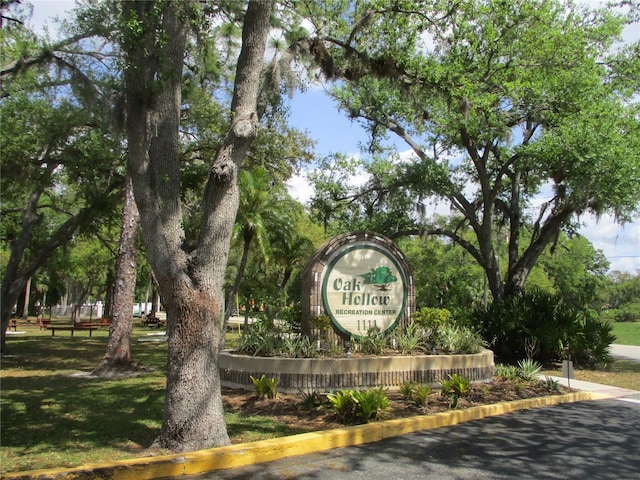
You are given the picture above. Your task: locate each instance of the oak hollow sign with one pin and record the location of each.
(359, 280)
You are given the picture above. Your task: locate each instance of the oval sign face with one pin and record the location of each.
(364, 287)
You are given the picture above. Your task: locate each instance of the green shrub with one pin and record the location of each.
(343, 405)
(292, 316)
(320, 322)
(299, 346)
(420, 395)
(406, 389)
(261, 339)
(359, 406)
(373, 343)
(265, 387)
(544, 320)
(372, 404)
(416, 392)
(590, 342)
(552, 386)
(310, 400)
(629, 312)
(428, 317)
(506, 372)
(458, 339)
(410, 340)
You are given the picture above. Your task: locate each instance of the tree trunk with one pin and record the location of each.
(193, 413)
(236, 284)
(118, 355)
(27, 296)
(190, 282)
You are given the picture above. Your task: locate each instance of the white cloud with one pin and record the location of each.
(620, 244)
(299, 188)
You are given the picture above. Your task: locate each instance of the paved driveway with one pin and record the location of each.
(587, 440)
(627, 352)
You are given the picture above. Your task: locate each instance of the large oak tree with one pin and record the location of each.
(190, 278)
(60, 155)
(501, 103)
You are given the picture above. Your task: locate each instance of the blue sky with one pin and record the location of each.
(313, 111)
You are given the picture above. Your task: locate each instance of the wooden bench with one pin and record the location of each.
(90, 324)
(72, 329)
(43, 323)
(13, 323)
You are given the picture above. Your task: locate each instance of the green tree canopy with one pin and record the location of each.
(500, 102)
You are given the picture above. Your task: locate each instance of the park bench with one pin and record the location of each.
(71, 328)
(13, 323)
(150, 321)
(43, 323)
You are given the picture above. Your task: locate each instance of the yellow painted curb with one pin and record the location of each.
(232, 456)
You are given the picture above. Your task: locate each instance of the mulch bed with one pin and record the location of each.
(291, 410)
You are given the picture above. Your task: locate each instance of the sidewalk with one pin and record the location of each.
(596, 388)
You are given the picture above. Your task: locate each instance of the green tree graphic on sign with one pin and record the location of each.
(380, 277)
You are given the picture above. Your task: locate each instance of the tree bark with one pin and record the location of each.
(117, 358)
(190, 282)
(229, 303)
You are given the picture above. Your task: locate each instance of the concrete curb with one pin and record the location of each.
(233, 456)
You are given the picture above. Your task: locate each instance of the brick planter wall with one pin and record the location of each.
(326, 374)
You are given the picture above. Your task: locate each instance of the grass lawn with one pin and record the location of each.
(627, 333)
(53, 418)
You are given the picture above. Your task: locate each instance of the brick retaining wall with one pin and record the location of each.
(326, 374)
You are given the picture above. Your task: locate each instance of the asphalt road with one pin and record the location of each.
(598, 440)
(587, 440)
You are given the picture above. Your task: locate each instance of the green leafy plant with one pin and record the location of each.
(431, 317)
(321, 322)
(528, 370)
(373, 343)
(359, 406)
(265, 387)
(410, 340)
(558, 329)
(406, 389)
(458, 339)
(310, 400)
(299, 346)
(454, 387)
(506, 372)
(260, 339)
(550, 385)
(420, 395)
(371, 404)
(343, 404)
(416, 392)
(484, 391)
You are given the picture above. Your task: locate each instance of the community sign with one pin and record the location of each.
(364, 286)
